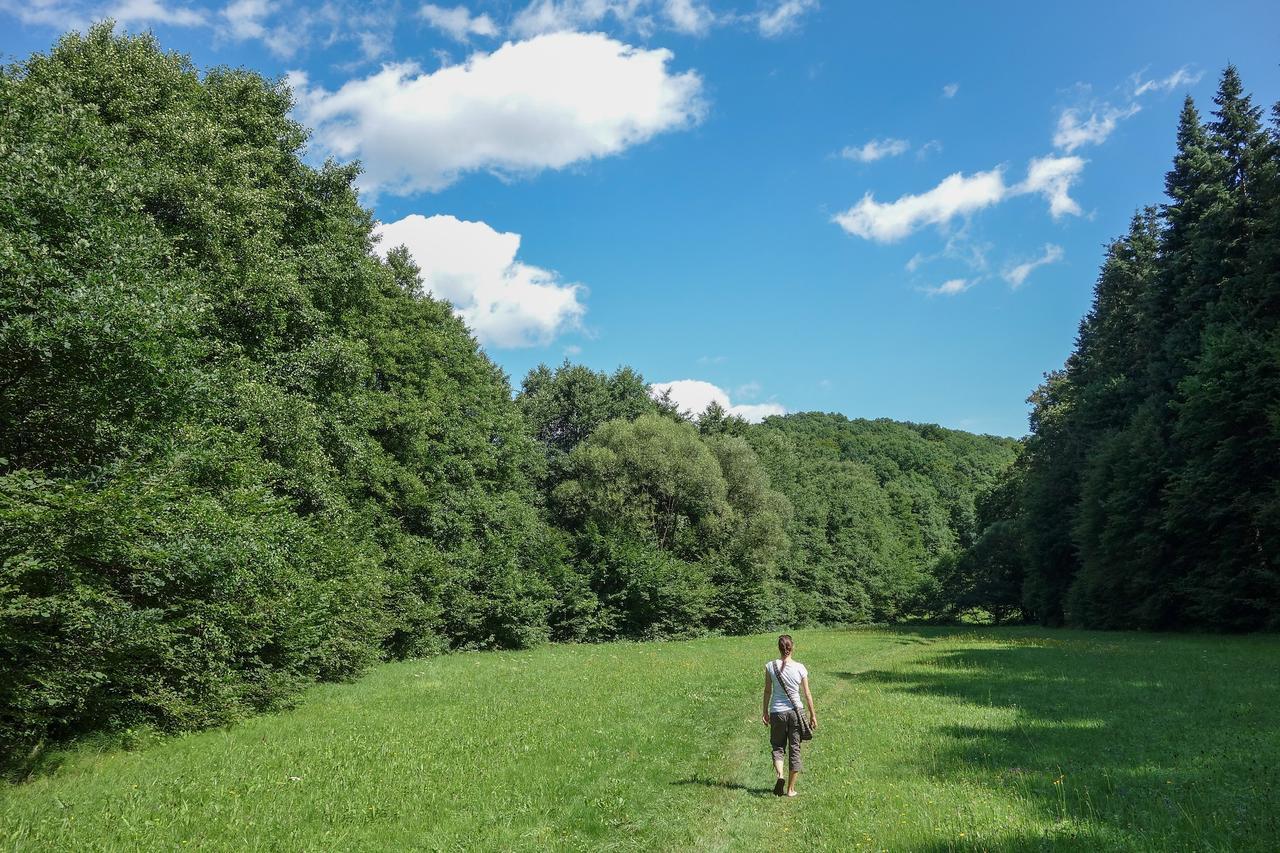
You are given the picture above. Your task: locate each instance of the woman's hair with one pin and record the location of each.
(785, 645)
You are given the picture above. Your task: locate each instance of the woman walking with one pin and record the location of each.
(783, 680)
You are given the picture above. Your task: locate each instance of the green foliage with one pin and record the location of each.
(653, 507)
(1149, 491)
(563, 407)
(878, 509)
(239, 452)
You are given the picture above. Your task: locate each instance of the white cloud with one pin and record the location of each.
(458, 22)
(1181, 77)
(373, 45)
(247, 19)
(644, 17)
(688, 16)
(554, 16)
(952, 286)
(152, 11)
(1052, 177)
(506, 302)
(73, 15)
(692, 396)
(961, 195)
(875, 149)
(957, 195)
(545, 103)
(1076, 129)
(1073, 131)
(756, 412)
(1017, 275)
(783, 17)
(949, 90)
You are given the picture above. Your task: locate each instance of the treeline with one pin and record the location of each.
(240, 453)
(1148, 494)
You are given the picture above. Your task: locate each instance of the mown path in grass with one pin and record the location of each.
(930, 739)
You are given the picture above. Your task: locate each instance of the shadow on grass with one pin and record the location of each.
(725, 784)
(1156, 740)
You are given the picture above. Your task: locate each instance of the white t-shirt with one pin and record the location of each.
(792, 674)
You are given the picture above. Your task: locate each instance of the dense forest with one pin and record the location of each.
(241, 452)
(1148, 492)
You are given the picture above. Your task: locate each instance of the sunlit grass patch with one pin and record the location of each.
(930, 739)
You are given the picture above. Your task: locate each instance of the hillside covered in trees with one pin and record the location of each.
(241, 452)
(1148, 494)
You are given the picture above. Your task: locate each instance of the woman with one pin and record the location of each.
(783, 680)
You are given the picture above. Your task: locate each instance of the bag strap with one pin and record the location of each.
(795, 706)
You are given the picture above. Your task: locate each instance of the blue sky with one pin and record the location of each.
(893, 211)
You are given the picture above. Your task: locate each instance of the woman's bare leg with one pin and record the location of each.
(791, 782)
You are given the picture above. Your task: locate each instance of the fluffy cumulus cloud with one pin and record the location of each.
(457, 21)
(693, 396)
(957, 195)
(950, 90)
(1074, 130)
(506, 302)
(544, 103)
(1052, 178)
(960, 195)
(876, 149)
(1017, 275)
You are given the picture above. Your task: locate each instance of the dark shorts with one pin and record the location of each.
(784, 734)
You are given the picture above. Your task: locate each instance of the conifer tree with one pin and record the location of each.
(1226, 437)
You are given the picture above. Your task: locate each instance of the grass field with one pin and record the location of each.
(930, 739)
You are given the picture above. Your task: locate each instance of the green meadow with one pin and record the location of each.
(929, 739)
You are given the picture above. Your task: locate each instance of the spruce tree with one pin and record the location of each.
(1226, 436)
(1119, 489)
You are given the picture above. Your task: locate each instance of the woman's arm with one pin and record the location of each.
(808, 701)
(768, 689)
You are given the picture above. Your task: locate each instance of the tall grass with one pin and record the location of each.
(930, 739)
